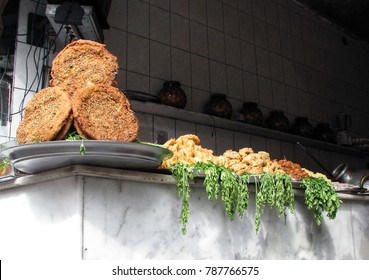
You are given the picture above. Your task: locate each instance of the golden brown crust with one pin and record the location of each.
(64, 130)
(79, 131)
(293, 169)
(104, 113)
(83, 63)
(45, 114)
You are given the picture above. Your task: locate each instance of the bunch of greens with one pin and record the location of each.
(221, 182)
(273, 190)
(320, 196)
(183, 173)
(234, 192)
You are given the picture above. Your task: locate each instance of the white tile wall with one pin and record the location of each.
(159, 25)
(268, 51)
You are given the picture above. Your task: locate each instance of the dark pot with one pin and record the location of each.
(323, 132)
(277, 121)
(302, 127)
(252, 113)
(172, 94)
(219, 106)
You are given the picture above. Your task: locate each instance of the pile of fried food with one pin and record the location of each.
(187, 149)
(83, 95)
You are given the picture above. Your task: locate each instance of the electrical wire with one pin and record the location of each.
(44, 58)
(26, 90)
(1, 92)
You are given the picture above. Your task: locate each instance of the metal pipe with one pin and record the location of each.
(329, 174)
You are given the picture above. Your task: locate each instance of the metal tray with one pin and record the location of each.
(140, 96)
(39, 157)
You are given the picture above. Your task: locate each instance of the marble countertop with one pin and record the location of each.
(88, 212)
(119, 174)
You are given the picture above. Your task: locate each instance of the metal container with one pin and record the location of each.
(359, 178)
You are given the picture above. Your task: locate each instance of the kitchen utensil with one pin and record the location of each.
(140, 96)
(342, 173)
(343, 121)
(344, 138)
(324, 132)
(328, 172)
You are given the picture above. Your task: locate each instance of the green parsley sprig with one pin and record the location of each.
(320, 197)
(4, 162)
(212, 178)
(229, 183)
(75, 136)
(284, 195)
(183, 174)
(242, 194)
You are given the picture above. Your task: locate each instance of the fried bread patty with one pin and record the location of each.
(83, 63)
(45, 115)
(64, 130)
(104, 113)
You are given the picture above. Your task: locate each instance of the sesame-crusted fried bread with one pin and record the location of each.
(45, 115)
(104, 113)
(79, 131)
(83, 63)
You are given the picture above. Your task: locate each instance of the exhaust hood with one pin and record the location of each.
(88, 26)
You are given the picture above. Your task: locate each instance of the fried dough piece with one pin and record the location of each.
(64, 130)
(83, 63)
(79, 131)
(45, 115)
(293, 169)
(104, 113)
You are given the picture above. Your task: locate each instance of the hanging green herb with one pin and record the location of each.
(243, 194)
(82, 148)
(75, 136)
(320, 196)
(259, 204)
(273, 190)
(183, 174)
(235, 193)
(264, 194)
(270, 189)
(228, 181)
(212, 178)
(284, 196)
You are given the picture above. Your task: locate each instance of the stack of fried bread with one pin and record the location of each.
(82, 95)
